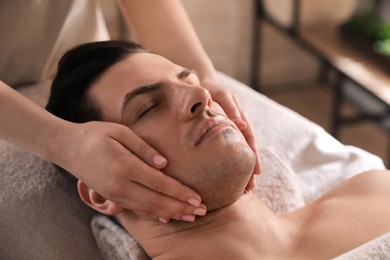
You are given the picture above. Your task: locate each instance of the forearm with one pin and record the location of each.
(28, 125)
(164, 28)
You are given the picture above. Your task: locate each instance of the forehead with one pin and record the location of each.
(136, 70)
(140, 68)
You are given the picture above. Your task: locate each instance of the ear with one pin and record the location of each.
(96, 201)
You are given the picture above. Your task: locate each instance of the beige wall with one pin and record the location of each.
(225, 29)
(284, 62)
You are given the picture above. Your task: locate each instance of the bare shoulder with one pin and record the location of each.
(377, 178)
(375, 182)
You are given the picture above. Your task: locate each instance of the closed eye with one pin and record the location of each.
(147, 111)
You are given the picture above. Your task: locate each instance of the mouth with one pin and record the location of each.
(211, 127)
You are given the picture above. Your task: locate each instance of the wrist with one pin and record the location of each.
(58, 148)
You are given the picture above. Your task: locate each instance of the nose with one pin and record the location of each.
(194, 101)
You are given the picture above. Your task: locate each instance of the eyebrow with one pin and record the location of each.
(142, 90)
(184, 73)
(149, 88)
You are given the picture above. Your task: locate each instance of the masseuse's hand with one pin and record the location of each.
(235, 112)
(122, 168)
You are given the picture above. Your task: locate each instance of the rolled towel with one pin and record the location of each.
(114, 242)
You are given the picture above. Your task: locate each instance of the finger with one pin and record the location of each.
(161, 183)
(243, 123)
(250, 137)
(251, 184)
(153, 205)
(248, 132)
(133, 169)
(228, 104)
(240, 122)
(140, 148)
(148, 204)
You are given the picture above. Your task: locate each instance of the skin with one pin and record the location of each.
(350, 215)
(171, 99)
(238, 225)
(113, 156)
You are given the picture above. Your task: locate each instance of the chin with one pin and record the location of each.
(225, 178)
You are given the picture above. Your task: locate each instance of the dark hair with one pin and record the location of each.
(77, 70)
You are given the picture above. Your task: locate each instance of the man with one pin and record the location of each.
(166, 106)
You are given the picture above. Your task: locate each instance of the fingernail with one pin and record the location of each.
(158, 159)
(194, 202)
(199, 212)
(163, 220)
(188, 218)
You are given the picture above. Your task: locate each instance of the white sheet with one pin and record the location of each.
(318, 160)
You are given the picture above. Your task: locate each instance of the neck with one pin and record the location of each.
(247, 219)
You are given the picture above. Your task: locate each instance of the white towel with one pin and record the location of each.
(114, 242)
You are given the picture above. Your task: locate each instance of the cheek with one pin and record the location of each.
(166, 140)
(161, 135)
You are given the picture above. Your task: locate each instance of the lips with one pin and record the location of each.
(210, 127)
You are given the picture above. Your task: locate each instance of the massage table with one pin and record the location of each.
(42, 217)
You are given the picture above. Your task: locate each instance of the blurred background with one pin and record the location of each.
(293, 52)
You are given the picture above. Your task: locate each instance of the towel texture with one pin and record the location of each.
(41, 215)
(114, 242)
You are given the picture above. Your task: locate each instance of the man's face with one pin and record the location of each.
(165, 105)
